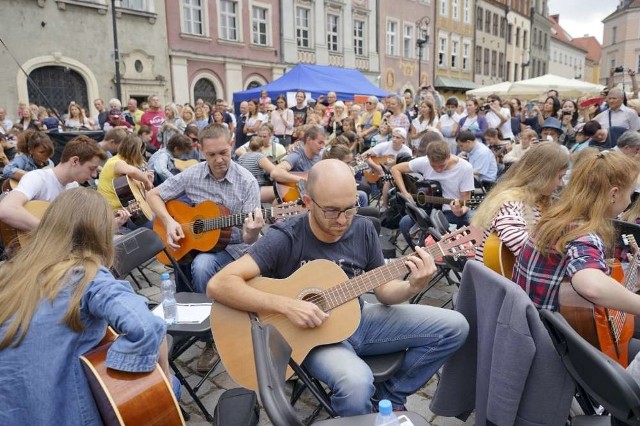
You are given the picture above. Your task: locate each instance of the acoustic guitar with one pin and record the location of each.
(182, 165)
(321, 282)
(606, 329)
(207, 226)
(125, 398)
(132, 197)
(427, 193)
(387, 160)
(497, 256)
(290, 192)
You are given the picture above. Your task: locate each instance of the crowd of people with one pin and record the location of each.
(338, 157)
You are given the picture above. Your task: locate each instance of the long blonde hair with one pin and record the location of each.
(75, 231)
(131, 150)
(584, 203)
(633, 214)
(524, 181)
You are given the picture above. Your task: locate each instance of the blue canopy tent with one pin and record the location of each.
(318, 80)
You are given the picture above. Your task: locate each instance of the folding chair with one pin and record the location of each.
(602, 378)
(272, 354)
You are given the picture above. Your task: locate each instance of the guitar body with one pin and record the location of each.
(593, 322)
(191, 219)
(182, 165)
(387, 160)
(130, 193)
(232, 328)
(125, 398)
(497, 256)
(290, 191)
(14, 238)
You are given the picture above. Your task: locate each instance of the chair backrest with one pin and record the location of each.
(439, 221)
(272, 353)
(600, 376)
(419, 216)
(134, 249)
(625, 228)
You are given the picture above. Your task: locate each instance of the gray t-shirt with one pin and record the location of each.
(290, 244)
(300, 162)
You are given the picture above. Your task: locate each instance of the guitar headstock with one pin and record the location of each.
(630, 240)
(284, 210)
(460, 242)
(474, 202)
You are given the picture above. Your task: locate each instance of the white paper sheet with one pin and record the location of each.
(188, 313)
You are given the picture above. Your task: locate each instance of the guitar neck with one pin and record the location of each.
(232, 220)
(349, 290)
(631, 278)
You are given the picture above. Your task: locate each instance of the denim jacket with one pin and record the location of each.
(42, 381)
(21, 162)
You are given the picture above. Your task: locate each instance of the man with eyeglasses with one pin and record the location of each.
(331, 230)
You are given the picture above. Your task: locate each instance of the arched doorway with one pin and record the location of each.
(253, 84)
(204, 89)
(59, 85)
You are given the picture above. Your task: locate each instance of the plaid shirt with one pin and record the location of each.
(238, 191)
(541, 276)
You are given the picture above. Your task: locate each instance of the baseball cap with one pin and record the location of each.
(399, 131)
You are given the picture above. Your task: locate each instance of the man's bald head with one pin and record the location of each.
(327, 173)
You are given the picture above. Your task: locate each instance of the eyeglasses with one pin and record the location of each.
(335, 213)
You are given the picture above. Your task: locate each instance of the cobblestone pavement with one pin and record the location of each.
(220, 381)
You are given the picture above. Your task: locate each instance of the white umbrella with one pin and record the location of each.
(565, 86)
(495, 89)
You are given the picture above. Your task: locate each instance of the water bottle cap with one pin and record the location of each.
(164, 276)
(384, 406)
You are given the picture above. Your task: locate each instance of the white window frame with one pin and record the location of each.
(467, 11)
(443, 45)
(455, 53)
(186, 10)
(360, 40)
(408, 43)
(223, 15)
(265, 21)
(333, 37)
(455, 9)
(466, 54)
(300, 29)
(146, 5)
(444, 8)
(391, 37)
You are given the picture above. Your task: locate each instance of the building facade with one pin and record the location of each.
(218, 47)
(518, 39)
(69, 63)
(621, 42)
(540, 39)
(491, 42)
(404, 25)
(566, 58)
(592, 62)
(454, 52)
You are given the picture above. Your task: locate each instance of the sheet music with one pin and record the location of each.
(188, 313)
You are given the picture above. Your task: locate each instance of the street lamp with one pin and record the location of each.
(422, 38)
(115, 47)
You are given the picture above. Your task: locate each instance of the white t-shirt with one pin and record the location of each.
(42, 185)
(386, 148)
(454, 181)
(493, 121)
(422, 126)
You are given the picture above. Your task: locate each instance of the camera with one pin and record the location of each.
(566, 112)
(619, 68)
(485, 107)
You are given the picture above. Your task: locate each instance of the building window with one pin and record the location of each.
(486, 61)
(503, 25)
(638, 65)
(508, 71)
(518, 37)
(515, 72)
(524, 38)
(454, 9)
(501, 65)
(333, 32)
(479, 16)
(478, 60)
(407, 41)
(192, 14)
(466, 50)
(358, 37)
(495, 24)
(494, 63)
(487, 22)
(510, 33)
(142, 5)
(204, 89)
(535, 35)
(555, 56)
(454, 53)
(392, 44)
(229, 20)
(443, 7)
(545, 41)
(259, 26)
(614, 34)
(467, 11)
(442, 51)
(302, 27)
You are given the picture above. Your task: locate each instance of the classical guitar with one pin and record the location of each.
(132, 197)
(125, 398)
(606, 329)
(182, 165)
(207, 226)
(325, 284)
(497, 256)
(428, 193)
(290, 191)
(387, 160)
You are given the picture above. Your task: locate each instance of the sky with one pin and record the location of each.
(580, 17)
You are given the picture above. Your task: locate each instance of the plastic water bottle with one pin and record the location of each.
(169, 307)
(386, 416)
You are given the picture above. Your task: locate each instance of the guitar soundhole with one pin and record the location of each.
(315, 296)
(198, 226)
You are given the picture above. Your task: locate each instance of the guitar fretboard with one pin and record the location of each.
(228, 221)
(617, 320)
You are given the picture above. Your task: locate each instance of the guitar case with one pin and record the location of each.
(237, 407)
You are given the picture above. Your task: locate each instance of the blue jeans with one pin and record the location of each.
(205, 266)
(429, 334)
(406, 223)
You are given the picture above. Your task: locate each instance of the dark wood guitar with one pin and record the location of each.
(497, 256)
(207, 226)
(428, 193)
(325, 284)
(132, 198)
(606, 329)
(129, 398)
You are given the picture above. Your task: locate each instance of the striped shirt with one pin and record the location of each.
(238, 191)
(250, 162)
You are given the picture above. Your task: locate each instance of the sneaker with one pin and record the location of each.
(207, 359)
